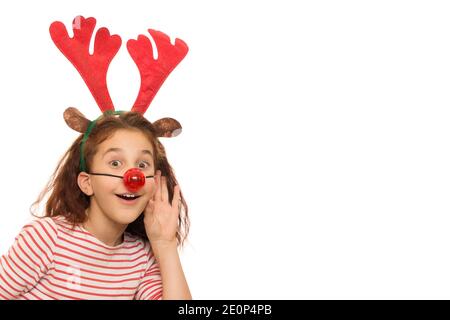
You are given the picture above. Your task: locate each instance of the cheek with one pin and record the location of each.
(105, 186)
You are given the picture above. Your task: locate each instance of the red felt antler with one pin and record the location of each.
(93, 68)
(154, 72)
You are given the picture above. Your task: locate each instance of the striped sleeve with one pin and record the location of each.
(150, 287)
(28, 259)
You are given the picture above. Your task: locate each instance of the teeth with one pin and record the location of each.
(129, 195)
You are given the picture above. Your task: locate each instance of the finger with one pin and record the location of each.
(165, 192)
(158, 185)
(152, 186)
(149, 208)
(176, 201)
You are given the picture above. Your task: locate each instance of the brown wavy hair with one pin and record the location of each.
(66, 198)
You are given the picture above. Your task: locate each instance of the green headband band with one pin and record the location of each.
(88, 131)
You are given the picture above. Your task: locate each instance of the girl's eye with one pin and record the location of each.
(146, 165)
(114, 162)
(142, 164)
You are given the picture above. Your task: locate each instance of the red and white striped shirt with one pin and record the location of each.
(48, 260)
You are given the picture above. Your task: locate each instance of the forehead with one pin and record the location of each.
(130, 141)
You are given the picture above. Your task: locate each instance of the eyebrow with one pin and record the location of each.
(120, 150)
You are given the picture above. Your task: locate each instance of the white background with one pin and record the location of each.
(314, 154)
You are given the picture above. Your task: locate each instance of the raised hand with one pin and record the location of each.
(161, 216)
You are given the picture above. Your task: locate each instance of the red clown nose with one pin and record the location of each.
(134, 179)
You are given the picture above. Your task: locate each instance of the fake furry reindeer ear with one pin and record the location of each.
(167, 127)
(76, 120)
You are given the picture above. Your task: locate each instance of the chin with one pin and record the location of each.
(125, 217)
(125, 213)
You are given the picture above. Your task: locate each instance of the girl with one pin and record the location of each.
(113, 222)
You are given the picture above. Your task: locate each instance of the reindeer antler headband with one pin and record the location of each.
(93, 69)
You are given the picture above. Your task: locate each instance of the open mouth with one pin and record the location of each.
(128, 197)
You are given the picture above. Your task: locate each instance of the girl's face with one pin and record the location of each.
(124, 150)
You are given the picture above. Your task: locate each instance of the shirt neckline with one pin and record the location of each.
(101, 242)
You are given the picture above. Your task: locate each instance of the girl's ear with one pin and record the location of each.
(84, 183)
(167, 127)
(76, 120)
